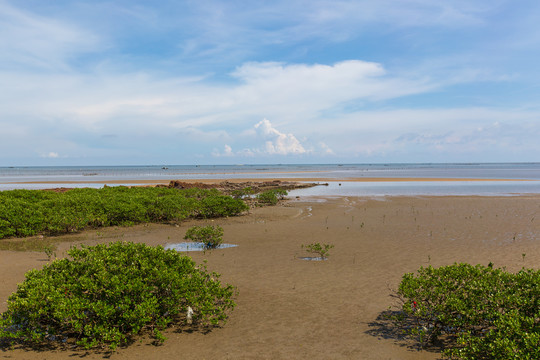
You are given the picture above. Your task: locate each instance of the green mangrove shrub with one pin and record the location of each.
(241, 193)
(30, 212)
(210, 236)
(107, 295)
(271, 197)
(482, 312)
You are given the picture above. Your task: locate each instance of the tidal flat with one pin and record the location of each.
(293, 309)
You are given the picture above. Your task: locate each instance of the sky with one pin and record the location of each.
(132, 82)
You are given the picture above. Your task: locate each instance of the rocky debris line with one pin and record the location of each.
(228, 187)
(59, 190)
(177, 184)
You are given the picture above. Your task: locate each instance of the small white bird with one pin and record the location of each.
(189, 315)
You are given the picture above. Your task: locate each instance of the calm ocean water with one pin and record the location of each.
(50, 177)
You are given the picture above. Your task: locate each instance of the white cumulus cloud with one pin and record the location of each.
(228, 150)
(265, 140)
(278, 142)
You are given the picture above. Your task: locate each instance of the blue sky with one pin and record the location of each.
(242, 82)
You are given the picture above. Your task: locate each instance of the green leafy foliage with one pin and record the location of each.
(49, 251)
(271, 197)
(323, 250)
(219, 206)
(487, 313)
(210, 236)
(241, 193)
(30, 212)
(108, 294)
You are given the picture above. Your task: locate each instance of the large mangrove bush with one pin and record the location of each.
(107, 295)
(30, 212)
(481, 312)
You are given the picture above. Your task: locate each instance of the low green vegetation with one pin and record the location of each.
(479, 312)
(322, 250)
(29, 212)
(242, 193)
(49, 251)
(271, 197)
(210, 236)
(108, 295)
(37, 244)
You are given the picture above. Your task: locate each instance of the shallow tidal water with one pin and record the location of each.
(194, 246)
(334, 174)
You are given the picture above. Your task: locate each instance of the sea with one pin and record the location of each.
(519, 178)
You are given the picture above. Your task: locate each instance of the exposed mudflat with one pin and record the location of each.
(292, 309)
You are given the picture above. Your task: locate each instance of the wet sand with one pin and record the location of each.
(288, 308)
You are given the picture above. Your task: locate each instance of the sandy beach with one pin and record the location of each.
(288, 308)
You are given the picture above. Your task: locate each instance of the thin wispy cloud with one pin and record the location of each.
(33, 42)
(52, 155)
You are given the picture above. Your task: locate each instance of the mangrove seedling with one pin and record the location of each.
(49, 251)
(323, 250)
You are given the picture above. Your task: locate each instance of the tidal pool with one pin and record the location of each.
(194, 246)
(312, 258)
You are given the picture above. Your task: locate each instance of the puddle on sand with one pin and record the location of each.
(309, 210)
(311, 258)
(194, 246)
